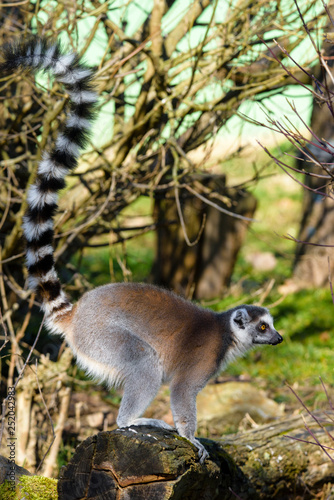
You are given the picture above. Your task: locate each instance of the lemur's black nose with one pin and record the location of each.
(277, 339)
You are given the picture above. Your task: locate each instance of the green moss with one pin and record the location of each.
(30, 488)
(6, 492)
(38, 488)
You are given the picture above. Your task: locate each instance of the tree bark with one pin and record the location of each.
(200, 268)
(276, 466)
(315, 251)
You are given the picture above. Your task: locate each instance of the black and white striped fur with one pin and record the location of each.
(38, 227)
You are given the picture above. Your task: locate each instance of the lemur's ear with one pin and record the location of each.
(240, 317)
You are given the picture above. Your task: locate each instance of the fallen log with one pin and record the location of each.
(278, 461)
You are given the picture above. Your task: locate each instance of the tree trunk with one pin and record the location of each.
(317, 222)
(202, 270)
(150, 463)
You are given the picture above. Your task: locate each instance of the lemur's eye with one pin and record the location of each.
(263, 327)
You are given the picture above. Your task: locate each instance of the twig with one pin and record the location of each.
(6, 339)
(330, 278)
(292, 238)
(20, 375)
(318, 442)
(234, 493)
(48, 414)
(184, 229)
(267, 291)
(327, 395)
(310, 413)
(285, 168)
(219, 208)
(308, 442)
(14, 257)
(15, 360)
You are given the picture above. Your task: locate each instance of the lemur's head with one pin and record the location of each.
(253, 325)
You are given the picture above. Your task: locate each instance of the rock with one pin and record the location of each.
(11, 472)
(222, 406)
(262, 261)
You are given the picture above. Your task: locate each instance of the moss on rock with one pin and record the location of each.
(30, 488)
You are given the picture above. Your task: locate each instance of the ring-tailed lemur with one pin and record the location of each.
(132, 334)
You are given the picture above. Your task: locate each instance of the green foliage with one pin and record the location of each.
(30, 488)
(66, 452)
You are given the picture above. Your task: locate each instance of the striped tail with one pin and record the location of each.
(42, 198)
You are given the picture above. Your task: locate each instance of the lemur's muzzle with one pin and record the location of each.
(276, 338)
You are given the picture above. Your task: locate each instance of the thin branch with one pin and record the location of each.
(184, 229)
(330, 279)
(318, 442)
(49, 416)
(6, 339)
(310, 413)
(327, 395)
(219, 208)
(285, 169)
(292, 238)
(20, 375)
(309, 442)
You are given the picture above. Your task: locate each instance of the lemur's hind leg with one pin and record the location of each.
(141, 385)
(139, 391)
